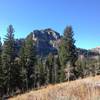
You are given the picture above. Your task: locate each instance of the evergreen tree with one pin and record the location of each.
(23, 74)
(30, 53)
(17, 79)
(52, 69)
(50, 63)
(8, 59)
(40, 73)
(1, 71)
(67, 51)
(56, 69)
(46, 71)
(81, 69)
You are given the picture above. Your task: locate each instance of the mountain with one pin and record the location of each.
(90, 54)
(47, 41)
(97, 49)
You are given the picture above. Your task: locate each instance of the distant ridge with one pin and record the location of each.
(97, 49)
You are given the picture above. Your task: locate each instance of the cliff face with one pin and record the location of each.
(46, 41)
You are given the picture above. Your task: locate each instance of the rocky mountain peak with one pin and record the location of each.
(46, 34)
(46, 41)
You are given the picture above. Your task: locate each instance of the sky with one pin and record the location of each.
(28, 15)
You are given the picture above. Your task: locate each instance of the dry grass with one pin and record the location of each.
(83, 89)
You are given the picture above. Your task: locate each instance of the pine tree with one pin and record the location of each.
(8, 59)
(1, 71)
(50, 63)
(24, 84)
(40, 73)
(56, 69)
(30, 53)
(80, 68)
(17, 79)
(46, 71)
(67, 51)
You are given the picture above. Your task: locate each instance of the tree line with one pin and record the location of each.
(25, 71)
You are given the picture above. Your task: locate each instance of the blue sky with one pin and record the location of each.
(27, 15)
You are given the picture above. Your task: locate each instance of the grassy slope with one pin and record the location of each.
(82, 89)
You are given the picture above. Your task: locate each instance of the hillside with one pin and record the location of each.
(82, 89)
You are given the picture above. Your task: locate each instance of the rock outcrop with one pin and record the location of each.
(47, 41)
